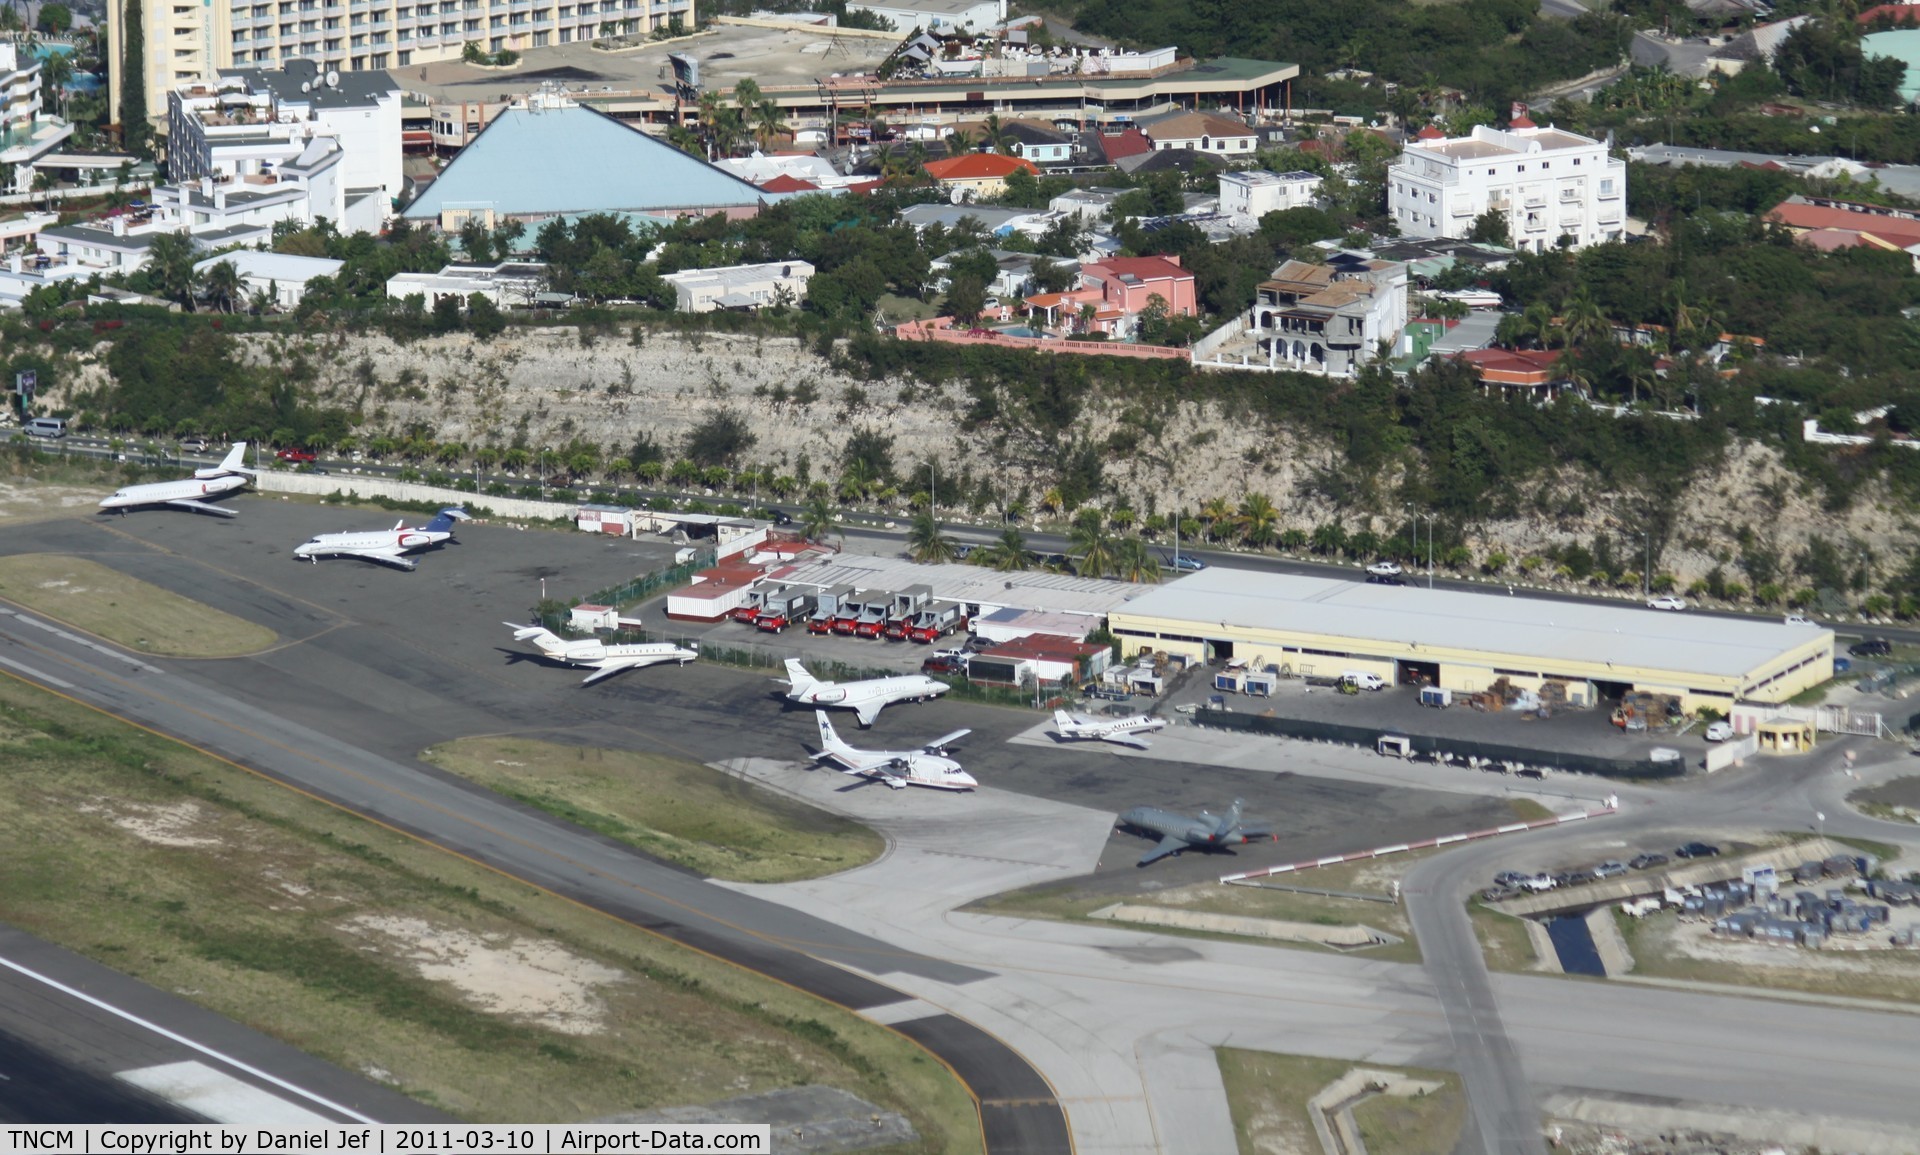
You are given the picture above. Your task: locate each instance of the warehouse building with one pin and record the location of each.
(1313, 626)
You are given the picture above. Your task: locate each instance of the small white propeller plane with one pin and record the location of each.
(928, 766)
(386, 546)
(1125, 731)
(865, 698)
(189, 493)
(596, 655)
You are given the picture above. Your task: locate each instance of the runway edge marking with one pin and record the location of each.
(1443, 840)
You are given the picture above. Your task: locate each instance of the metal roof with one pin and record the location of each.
(1030, 590)
(302, 82)
(1625, 636)
(542, 161)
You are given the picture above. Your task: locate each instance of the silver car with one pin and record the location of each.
(1610, 869)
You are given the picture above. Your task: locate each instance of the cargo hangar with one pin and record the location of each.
(1464, 641)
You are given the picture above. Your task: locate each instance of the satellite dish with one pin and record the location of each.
(333, 78)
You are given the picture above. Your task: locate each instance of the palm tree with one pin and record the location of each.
(1091, 546)
(221, 283)
(683, 472)
(449, 452)
(1256, 520)
(1135, 561)
(1008, 555)
(1122, 519)
(1583, 319)
(925, 542)
(650, 471)
(1537, 324)
(515, 459)
(994, 134)
(618, 468)
(1052, 501)
(767, 125)
(170, 266)
(1218, 515)
(960, 142)
(818, 518)
(1327, 538)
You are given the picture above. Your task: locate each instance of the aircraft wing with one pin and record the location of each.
(868, 711)
(1168, 845)
(390, 557)
(608, 669)
(1134, 740)
(188, 503)
(879, 772)
(945, 740)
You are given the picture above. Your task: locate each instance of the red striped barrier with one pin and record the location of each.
(1424, 844)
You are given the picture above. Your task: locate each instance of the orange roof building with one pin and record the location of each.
(981, 173)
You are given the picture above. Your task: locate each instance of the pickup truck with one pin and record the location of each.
(296, 456)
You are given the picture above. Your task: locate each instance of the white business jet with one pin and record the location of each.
(386, 546)
(867, 698)
(598, 656)
(1125, 731)
(928, 766)
(191, 493)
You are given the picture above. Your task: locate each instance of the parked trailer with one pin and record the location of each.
(784, 609)
(846, 619)
(937, 621)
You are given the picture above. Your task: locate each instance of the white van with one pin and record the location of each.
(46, 427)
(1364, 681)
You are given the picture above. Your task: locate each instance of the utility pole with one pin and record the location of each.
(1646, 578)
(1430, 522)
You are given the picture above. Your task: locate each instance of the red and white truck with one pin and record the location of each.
(748, 612)
(825, 607)
(783, 609)
(937, 621)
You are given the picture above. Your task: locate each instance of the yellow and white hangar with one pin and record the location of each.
(1326, 627)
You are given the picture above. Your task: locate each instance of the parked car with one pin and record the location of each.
(1574, 877)
(1384, 569)
(1667, 602)
(1719, 731)
(1871, 648)
(296, 456)
(1496, 894)
(1529, 772)
(1181, 561)
(1538, 882)
(977, 644)
(1798, 620)
(941, 664)
(1611, 868)
(1509, 879)
(1647, 861)
(1697, 850)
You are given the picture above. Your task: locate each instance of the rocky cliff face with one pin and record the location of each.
(552, 386)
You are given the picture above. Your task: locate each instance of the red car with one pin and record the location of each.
(296, 456)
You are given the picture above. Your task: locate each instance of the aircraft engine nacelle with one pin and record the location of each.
(829, 697)
(410, 540)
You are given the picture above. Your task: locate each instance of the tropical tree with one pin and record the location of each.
(221, 284)
(515, 459)
(449, 453)
(767, 124)
(1256, 520)
(170, 266)
(819, 517)
(1122, 519)
(1218, 514)
(994, 134)
(683, 472)
(1135, 561)
(1090, 545)
(925, 542)
(1328, 538)
(1584, 321)
(1008, 555)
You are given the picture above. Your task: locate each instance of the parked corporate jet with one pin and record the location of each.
(899, 769)
(1126, 731)
(866, 699)
(598, 656)
(190, 493)
(1177, 832)
(386, 546)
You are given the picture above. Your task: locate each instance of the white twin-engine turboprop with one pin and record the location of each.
(192, 493)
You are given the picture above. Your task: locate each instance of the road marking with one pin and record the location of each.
(90, 644)
(36, 675)
(219, 1096)
(175, 1036)
(904, 1011)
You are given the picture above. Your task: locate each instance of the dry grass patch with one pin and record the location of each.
(1503, 939)
(674, 808)
(126, 610)
(465, 989)
(1268, 1095)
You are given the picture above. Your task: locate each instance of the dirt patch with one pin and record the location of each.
(536, 982)
(22, 502)
(180, 824)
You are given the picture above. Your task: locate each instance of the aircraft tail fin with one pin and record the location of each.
(798, 679)
(443, 522)
(1230, 819)
(830, 742)
(1062, 719)
(540, 636)
(233, 462)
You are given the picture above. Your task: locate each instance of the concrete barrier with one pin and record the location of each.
(1332, 1109)
(1343, 937)
(1615, 958)
(357, 485)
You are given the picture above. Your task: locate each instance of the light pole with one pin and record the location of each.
(1646, 576)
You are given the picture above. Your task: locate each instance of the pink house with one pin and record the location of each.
(1118, 289)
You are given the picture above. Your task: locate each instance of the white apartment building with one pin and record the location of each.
(1549, 183)
(936, 15)
(509, 284)
(187, 42)
(1252, 195)
(740, 286)
(26, 134)
(251, 121)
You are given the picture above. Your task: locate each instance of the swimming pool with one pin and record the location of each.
(1022, 331)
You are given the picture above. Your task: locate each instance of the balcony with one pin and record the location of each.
(1461, 209)
(1536, 200)
(1609, 194)
(1569, 195)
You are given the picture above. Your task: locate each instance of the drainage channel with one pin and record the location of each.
(1573, 942)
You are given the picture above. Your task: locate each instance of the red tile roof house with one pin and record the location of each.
(1524, 368)
(1119, 289)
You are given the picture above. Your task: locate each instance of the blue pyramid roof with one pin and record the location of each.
(549, 160)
